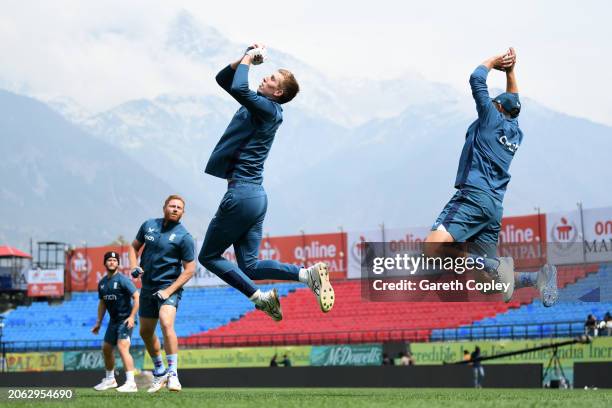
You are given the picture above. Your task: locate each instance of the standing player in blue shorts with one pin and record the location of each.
(239, 158)
(119, 297)
(474, 213)
(167, 262)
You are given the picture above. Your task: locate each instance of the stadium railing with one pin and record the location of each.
(465, 333)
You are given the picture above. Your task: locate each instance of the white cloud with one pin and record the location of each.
(101, 54)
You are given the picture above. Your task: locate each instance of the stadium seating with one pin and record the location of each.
(591, 294)
(221, 316)
(351, 321)
(69, 324)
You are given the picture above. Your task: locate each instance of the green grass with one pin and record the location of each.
(333, 397)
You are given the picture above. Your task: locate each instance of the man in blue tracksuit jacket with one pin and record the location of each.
(474, 213)
(239, 158)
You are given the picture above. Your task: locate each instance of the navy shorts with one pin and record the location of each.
(471, 216)
(117, 331)
(150, 304)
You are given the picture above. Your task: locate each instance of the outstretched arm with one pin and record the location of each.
(258, 105)
(511, 85)
(478, 81)
(226, 75)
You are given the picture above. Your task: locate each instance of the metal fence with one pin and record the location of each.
(464, 333)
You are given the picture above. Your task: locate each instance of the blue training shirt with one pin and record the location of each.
(245, 144)
(491, 142)
(165, 249)
(116, 293)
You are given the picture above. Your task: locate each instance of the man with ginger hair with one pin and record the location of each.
(167, 262)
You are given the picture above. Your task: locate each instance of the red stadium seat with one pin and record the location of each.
(354, 320)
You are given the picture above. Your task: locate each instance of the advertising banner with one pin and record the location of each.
(94, 360)
(86, 266)
(45, 282)
(524, 239)
(346, 355)
(438, 353)
(18, 362)
(598, 234)
(304, 250)
(399, 239)
(565, 240)
(239, 357)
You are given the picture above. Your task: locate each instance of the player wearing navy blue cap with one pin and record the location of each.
(474, 213)
(119, 297)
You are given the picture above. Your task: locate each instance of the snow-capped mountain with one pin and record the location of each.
(350, 153)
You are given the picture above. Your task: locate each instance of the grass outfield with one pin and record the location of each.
(333, 397)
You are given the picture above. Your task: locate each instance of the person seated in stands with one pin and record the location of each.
(590, 326)
(606, 325)
(286, 362)
(386, 360)
(405, 359)
(273, 362)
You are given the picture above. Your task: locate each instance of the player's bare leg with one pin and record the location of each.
(503, 271)
(167, 316)
(109, 363)
(123, 345)
(153, 346)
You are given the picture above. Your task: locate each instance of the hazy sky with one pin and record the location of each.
(100, 53)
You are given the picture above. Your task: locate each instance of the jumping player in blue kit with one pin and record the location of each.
(239, 158)
(474, 213)
(167, 262)
(119, 297)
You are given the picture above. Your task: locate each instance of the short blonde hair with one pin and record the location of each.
(289, 85)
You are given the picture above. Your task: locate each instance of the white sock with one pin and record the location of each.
(110, 374)
(129, 376)
(172, 362)
(303, 276)
(256, 297)
(158, 362)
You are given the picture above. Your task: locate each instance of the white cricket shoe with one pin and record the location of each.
(129, 386)
(318, 282)
(505, 274)
(106, 384)
(269, 303)
(547, 285)
(159, 381)
(173, 382)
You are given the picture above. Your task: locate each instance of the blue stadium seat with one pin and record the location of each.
(68, 325)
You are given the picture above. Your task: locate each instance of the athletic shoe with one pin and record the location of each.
(106, 384)
(547, 285)
(129, 386)
(270, 305)
(505, 274)
(173, 382)
(159, 381)
(318, 282)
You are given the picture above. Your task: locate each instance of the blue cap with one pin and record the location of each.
(510, 102)
(111, 254)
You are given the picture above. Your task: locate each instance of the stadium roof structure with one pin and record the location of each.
(10, 252)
